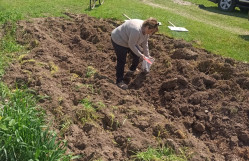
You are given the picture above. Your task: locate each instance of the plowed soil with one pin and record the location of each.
(191, 97)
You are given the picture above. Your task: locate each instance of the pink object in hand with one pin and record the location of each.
(146, 59)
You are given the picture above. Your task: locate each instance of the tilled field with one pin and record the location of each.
(191, 98)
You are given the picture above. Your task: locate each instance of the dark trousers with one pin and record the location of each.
(121, 53)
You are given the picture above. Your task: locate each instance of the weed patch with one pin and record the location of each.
(23, 134)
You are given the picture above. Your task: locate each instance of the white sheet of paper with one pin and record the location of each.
(177, 28)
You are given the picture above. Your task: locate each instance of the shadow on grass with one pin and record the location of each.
(235, 13)
(245, 37)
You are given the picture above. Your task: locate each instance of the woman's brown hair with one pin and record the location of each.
(152, 23)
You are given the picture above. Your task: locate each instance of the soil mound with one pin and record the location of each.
(191, 98)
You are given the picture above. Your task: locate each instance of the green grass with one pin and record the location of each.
(9, 15)
(90, 71)
(162, 154)
(87, 113)
(8, 46)
(222, 33)
(23, 134)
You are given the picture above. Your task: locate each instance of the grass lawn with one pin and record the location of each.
(225, 34)
(222, 33)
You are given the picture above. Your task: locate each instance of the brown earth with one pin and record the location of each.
(191, 97)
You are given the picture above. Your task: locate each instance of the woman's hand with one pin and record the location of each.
(146, 59)
(141, 57)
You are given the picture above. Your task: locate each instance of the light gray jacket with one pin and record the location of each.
(130, 35)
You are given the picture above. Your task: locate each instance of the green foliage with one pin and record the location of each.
(53, 68)
(23, 134)
(100, 105)
(9, 15)
(65, 124)
(8, 46)
(162, 154)
(87, 103)
(88, 112)
(3, 63)
(90, 71)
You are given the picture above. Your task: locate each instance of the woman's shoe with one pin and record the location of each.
(122, 85)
